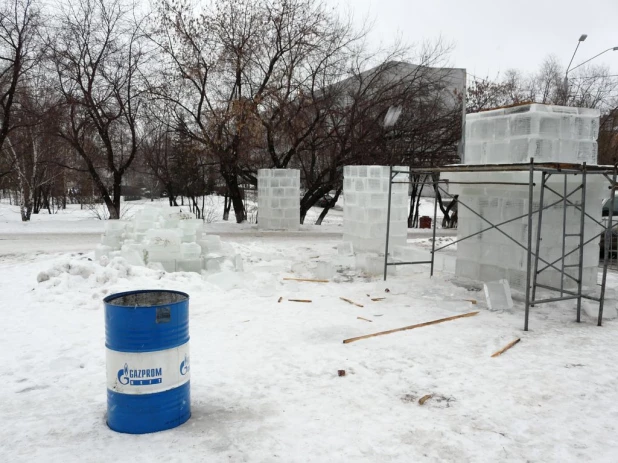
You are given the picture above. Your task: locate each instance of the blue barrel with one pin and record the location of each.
(147, 353)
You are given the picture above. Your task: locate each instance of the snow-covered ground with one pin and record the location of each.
(264, 380)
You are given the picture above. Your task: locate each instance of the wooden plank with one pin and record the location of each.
(299, 300)
(280, 299)
(411, 327)
(307, 279)
(366, 319)
(505, 348)
(351, 302)
(377, 299)
(424, 399)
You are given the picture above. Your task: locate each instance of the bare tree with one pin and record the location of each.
(98, 56)
(243, 73)
(353, 131)
(19, 23)
(608, 136)
(30, 145)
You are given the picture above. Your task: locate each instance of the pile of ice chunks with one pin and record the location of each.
(365, 193)
(543, 132)
(166, 238)
(279, 199)
(491, 255)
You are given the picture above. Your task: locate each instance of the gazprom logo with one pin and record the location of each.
(185, 367)
(143, 377)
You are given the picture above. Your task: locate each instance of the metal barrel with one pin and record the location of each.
(147, 356)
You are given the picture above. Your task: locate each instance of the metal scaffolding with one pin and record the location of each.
(546, 170)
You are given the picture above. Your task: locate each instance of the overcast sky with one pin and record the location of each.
(491, 36)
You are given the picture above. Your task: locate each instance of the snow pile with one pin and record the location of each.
(168, 239)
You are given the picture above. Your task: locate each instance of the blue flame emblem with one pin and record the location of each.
(184, 366)
(123, 375)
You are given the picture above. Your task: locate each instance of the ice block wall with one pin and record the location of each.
(365, 191)
(543, 132)
(514, 135)
(491, 256)
(279, 199)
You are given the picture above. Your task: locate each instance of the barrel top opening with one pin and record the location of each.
(146, 298)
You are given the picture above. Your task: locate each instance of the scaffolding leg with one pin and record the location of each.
(529, 248)
(435, 213)
(388, 218)
(564, 218)
(544, 177)
(581, 246)
(609, 235)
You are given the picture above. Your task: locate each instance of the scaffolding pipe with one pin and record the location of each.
(544, 178)
(529, 258)
(566, 291)
(564, 237)
(609, 238)
(581, 246)
(435, 214)
(388, 218)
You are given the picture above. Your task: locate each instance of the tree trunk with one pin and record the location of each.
(311, 198)
(114, 210)
(450, 221)
(417, 208)
(329, 205)
(235, 194)
(227, 205)
(195, 207)
(415, 186)
(26, 201)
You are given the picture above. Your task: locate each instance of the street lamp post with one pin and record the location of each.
(595, 56)
(566, 74)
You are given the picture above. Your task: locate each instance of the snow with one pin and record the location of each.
(265, 386)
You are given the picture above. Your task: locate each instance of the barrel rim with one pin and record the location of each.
(109, 299)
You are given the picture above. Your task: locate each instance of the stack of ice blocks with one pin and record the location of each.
(491, 256)
(166, 237)
(545, 133)
(514, 135)
(365, 190)
(279, 199)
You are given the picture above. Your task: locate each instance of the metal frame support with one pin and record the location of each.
(388, 218)
(564, 233)
(581, 245)
(435, 214)
(529, 257)
(546, 170)
(609, 238)
(544, 178)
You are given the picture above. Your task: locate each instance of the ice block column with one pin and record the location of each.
(279, 199)
(365, 190)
